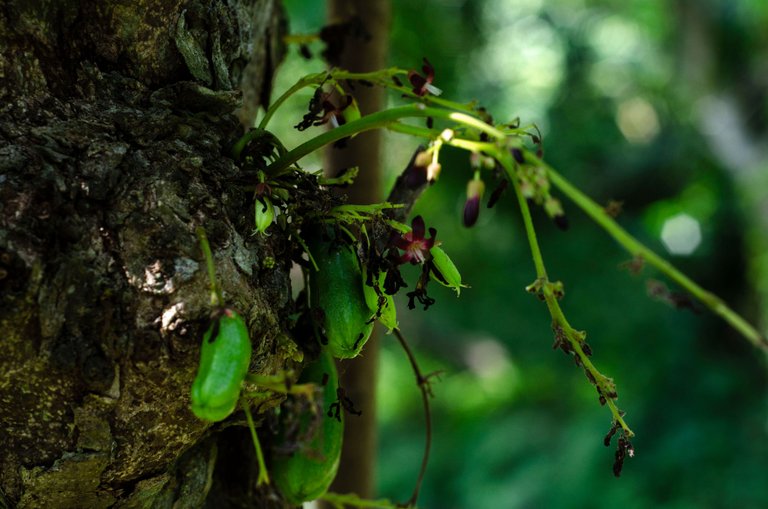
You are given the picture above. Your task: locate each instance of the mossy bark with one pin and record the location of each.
(116, 120)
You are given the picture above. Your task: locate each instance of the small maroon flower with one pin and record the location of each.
(475, 190)
(332, 114)
(414, 244)
(322, 110)
(423, 85)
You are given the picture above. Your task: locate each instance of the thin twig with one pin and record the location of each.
(263, 477)
(423, 383)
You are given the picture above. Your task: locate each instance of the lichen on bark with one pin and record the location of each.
(112, 151)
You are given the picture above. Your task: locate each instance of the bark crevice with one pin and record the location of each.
(111, 153)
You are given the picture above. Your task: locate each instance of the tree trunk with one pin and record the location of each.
(116, 122)
(358, 376)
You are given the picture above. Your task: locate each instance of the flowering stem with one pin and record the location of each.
(376, 120)
(311, 79)
(530, 231)
(637, 249)
(560, 323)
(384, 78)
(478, 124)
(432, 134)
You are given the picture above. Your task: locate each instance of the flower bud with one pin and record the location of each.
(554, 210)
(423, 158)
(475, 189)
(433, 171)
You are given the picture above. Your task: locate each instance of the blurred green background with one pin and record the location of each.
(661, 105)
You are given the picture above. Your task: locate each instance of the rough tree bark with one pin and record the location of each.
(116, 120)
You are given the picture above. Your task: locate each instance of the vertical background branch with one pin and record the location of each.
(358, 376)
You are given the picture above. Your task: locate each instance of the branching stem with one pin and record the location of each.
(574, 338)
(423, 383)
(378, 120)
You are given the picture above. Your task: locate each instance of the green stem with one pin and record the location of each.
(478, 124)
(376, 120)
(384, 78)
(575, 341)
(312, 79)
(350, 499)
(280, 385)
(263, 477)
(216, 298)
(506, 161)
(574, 338)
(412, 130)
(432, 134)
(472, 146)
(637, 249)
(300, 38)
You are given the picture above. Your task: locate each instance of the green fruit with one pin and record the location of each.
(345, 322)
(387, 313)
(224, 359)
(264, 214)
(308, 472)
(448, 275)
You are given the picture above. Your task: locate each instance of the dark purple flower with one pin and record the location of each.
(332, 114)
(420, 293)
(422, 85)
(475, 189)
(415, 246)
(322, 110)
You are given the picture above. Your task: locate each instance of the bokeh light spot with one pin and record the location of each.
(637, 120)
(681, 234)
